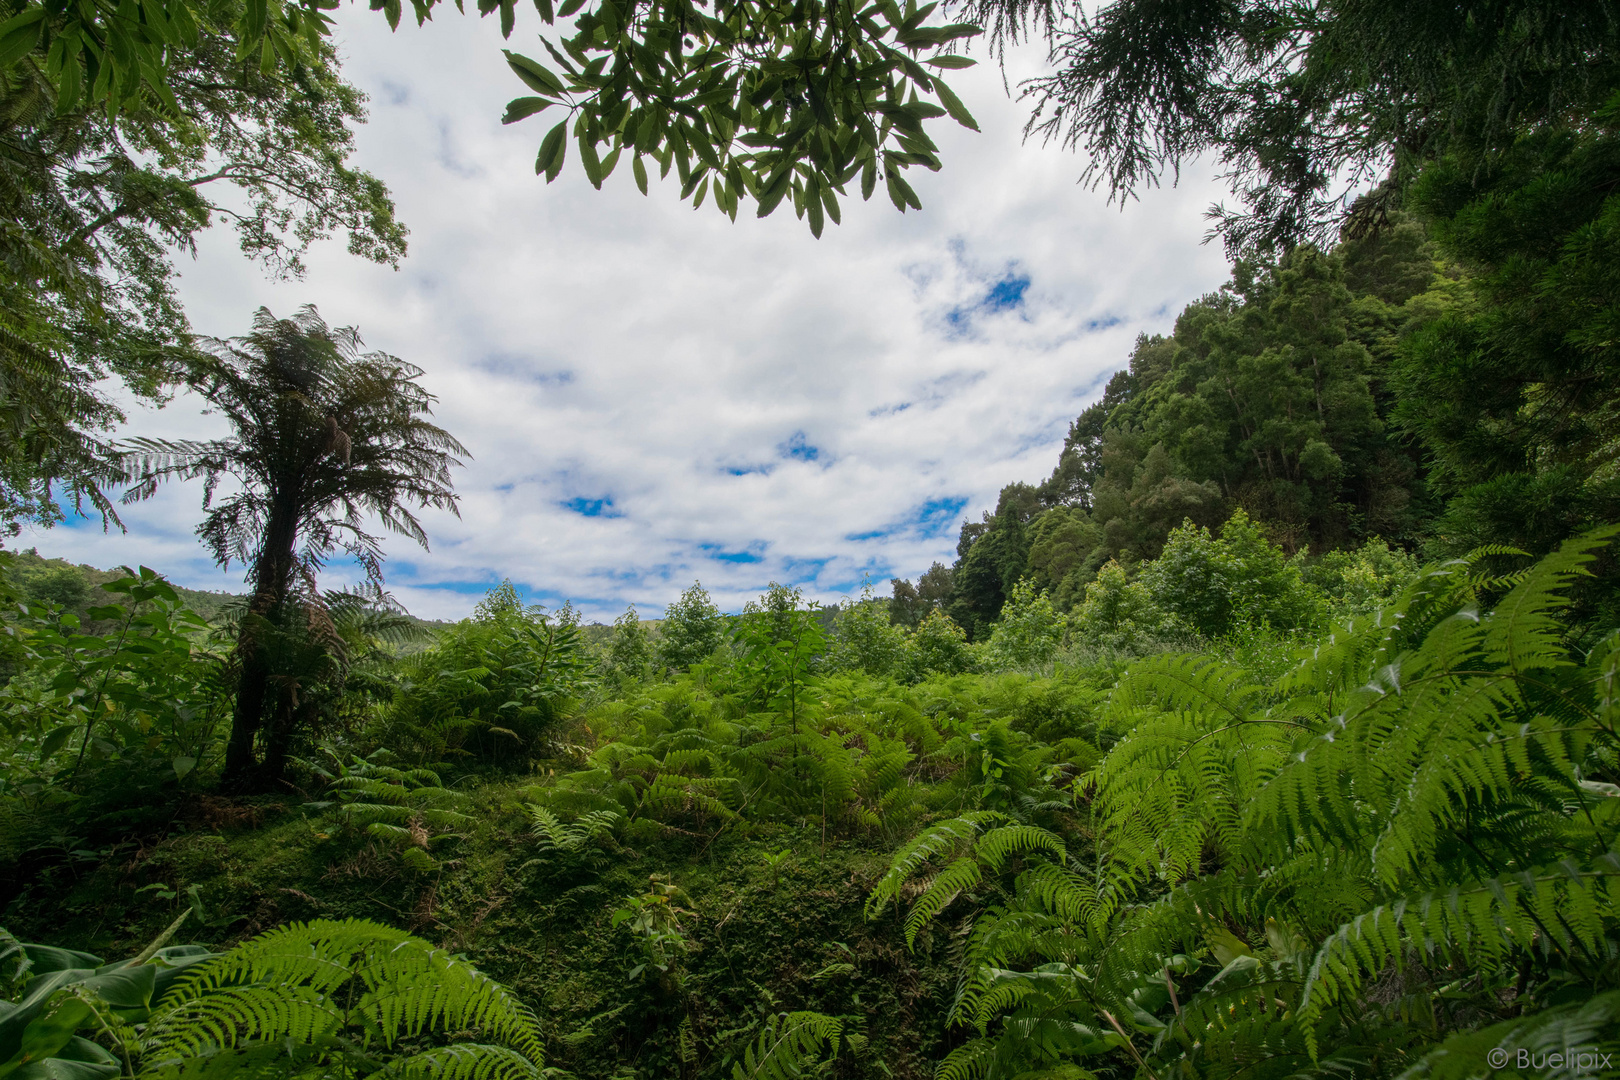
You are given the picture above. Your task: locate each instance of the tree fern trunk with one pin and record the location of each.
(272, 577)
(246, 719)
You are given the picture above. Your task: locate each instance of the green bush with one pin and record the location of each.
(493, 689)
(1119, 613)
(1211, 585)
(1029, 631)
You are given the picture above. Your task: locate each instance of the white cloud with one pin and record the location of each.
(734, 402)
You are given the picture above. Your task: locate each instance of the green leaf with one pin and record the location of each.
(773, 191)
(831, 201)
(954, 106)
(48, 1033)
(900, 192)
(56, 740)
(535, 74)
(951, 62)
(524, 107)
(640, 172)
(20, 34)
(80, 1059)
(592, 163)
(553, 149)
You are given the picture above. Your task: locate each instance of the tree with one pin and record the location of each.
(324, 435)
(775, 102)
(630, 648)
(94, 202)
(692, 629)
(864, 638)
(1307, 104)
(1513, 391)
(1029, 631)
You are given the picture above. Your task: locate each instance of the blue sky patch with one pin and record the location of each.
(1004, 294)
(754, 553)
(1007, 293)
(602, 507)
(936, 517)
(799, 446)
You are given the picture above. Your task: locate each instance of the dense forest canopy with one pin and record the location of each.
(1395, 389)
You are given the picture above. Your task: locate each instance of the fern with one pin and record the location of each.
(553, 835)
(1484, 926)
(1298, 878)
(340, 992)
(933, 841)
(788, 1043)
(1589, 1031)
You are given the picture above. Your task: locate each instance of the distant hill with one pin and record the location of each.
(77, 588)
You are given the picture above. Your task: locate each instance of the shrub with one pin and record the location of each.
(937, 645)
(1211, 585)
(1028, 633)
(1118, 613)
(692, 630)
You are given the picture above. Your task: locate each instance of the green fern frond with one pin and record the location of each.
(463, 1061)
(1586, 1031)
(1485, 927)
(1524, 633)
(946, 886)
(307, 984)
(973, 1060)
(935, 840)
(998, 845)
(788, 1045)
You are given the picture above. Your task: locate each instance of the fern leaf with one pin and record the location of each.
(788, 1044)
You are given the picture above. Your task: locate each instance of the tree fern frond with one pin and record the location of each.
(1524, 633)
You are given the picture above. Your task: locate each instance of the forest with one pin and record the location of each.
(1276, 734)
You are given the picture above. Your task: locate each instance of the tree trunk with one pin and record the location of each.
(272, 579)
(246, 717)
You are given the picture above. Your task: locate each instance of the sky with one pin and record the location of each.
(654, 395)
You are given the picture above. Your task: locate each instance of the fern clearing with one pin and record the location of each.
(1402, 855)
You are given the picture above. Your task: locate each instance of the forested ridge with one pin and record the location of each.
(1276, 734)
(1323, 395)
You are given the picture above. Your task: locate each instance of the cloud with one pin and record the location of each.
(653, 394)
